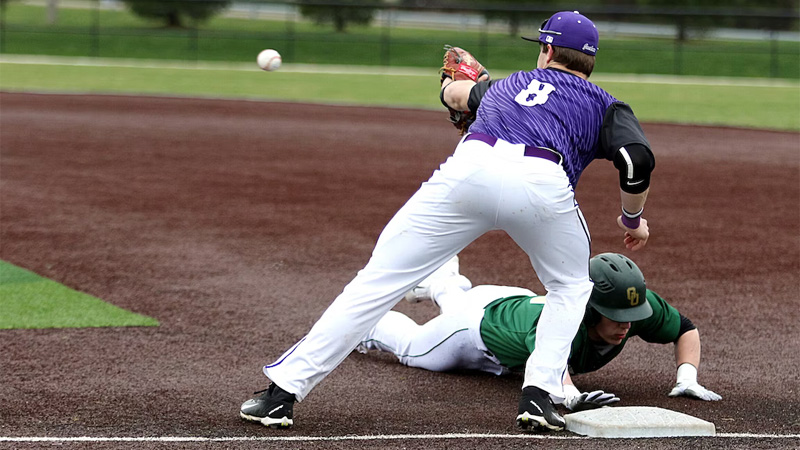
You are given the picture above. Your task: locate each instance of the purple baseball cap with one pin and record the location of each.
(569, 29)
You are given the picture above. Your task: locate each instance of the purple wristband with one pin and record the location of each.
(631, 223)
(631, 220)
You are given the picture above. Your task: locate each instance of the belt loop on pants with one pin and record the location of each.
(536, 152)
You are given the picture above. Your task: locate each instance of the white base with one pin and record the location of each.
(636, 422)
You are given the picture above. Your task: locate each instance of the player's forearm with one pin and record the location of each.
(456, 93)
(687, 349)
(635, 163)
(633, 204)
(687, 358)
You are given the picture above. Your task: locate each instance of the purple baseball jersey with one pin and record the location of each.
(546, 108)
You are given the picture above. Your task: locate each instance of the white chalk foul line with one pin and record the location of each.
(66, 439)
(279, 438)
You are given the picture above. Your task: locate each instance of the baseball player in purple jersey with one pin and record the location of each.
(515, 171)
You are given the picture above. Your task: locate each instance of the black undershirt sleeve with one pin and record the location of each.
(622, 140)
(686, 325)
(476, 94)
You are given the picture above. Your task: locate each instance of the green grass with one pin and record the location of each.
(767, 107)
(410, 91)
(115, 34)
(30, 301)
(771, 107)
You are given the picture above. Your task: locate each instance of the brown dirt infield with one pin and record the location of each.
(235, 223)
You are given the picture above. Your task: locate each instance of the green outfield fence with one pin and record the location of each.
(676, 41)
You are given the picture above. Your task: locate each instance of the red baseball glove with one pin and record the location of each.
(459, 64)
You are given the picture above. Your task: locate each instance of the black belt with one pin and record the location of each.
(536, 152)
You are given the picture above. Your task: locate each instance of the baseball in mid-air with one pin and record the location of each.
(269, 60)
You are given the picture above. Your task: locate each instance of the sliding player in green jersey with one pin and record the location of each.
(493, 328)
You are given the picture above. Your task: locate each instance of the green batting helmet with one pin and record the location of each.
(619, 288)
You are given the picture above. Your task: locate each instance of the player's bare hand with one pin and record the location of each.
(635, 239)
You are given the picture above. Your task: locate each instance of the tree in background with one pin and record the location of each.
(695, 17)
(174, 13)
(3, 3)
(690, 17)
(515, 19)
(539, 11)
(341, 14)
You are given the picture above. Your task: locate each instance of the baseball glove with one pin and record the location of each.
(459, 64)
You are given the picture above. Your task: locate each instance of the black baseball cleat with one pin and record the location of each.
(537, 412)
(273, 408)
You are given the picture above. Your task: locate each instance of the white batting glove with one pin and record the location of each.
(581, 401)
(687, 385)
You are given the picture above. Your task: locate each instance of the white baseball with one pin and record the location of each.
(269, 60)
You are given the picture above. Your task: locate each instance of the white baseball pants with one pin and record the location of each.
(478, 189)
(449, 341)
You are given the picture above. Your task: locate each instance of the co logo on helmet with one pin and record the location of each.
(633, 296)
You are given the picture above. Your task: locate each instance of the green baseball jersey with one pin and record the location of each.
(509, 324)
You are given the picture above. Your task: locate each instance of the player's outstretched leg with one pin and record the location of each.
(537, 412)
(273, 408)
